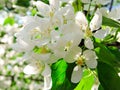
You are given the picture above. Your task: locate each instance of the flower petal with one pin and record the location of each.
(89, 54)
(47, 77)
(47, 71)
(21, 46)
(96, 21)
(101, 34)
(104, 11)
(91, 63)
(71, 54)
(115, 13)
(54, 4)
(43, 8)
(89, 43)
(85, 1)
(90, 58)
(76, 74)
(102, 2)
(31, 69)
(81, 21)
(53, 58)
(47, 82)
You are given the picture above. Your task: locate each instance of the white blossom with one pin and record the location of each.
(88, 29)
(36, 66)
(102, 2)
(88, 58)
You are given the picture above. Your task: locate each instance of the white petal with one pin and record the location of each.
(72, 29)
(30, 26)
(71, 54)
(69, 13)
(72, 33)
(53, 58)
(81, 21)
(89, 54)
(26, 19)
(103, 2)
(47, 77)
(76, 74)
(91, 63)
(104, 11)
(47, 71)
(54, 4)
(2, 50)
(47, 82)
(57, 20)
(74, 37)
(66, 0)
(89, 43)
(31, 69)
(101, 34)
(21, 46)
(60, 52)
(37, 23)
(42, 57)
(85, 1)
(41, 42)
(90, 58)
(115, 13)
(96, 21)
(55, 35)
(43, 8)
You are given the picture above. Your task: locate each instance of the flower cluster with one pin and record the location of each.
(11, 62)
(57, 33)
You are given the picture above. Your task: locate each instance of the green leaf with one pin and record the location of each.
(58, 73)
(105, 55)
(115, 51)
(107, 64)
(67, 85)
(108, 77)
(61, 75)
(9, 20)
(2, 33)
(45, 1)
(100, 87)
(86, 82)
(23, 3)
(110, 22)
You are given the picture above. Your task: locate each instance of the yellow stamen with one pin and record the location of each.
(51, 14)
(44, 50)
(88, 33)
(80, 61)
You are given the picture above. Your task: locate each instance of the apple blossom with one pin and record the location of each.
(88, 58)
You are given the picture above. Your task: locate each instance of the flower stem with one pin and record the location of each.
(89, 8)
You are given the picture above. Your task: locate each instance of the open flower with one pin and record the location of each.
(70, 37)
(88, 58)
(38, 65)
(56, 14)
(88, 29)
(34, 33)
